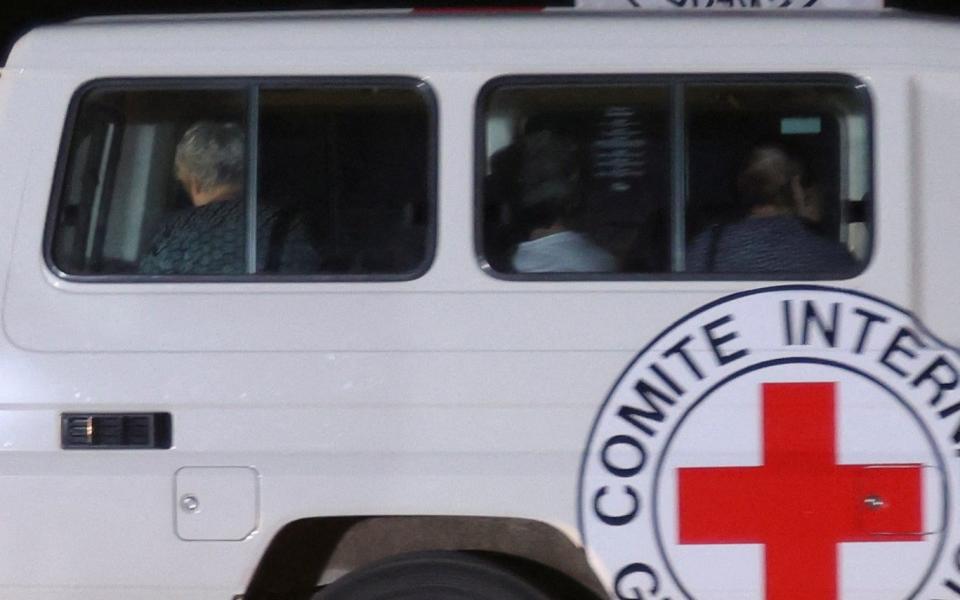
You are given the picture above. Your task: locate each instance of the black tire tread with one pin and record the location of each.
(434, 575)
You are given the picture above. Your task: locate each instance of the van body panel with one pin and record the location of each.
(935, 99)
(456, 393)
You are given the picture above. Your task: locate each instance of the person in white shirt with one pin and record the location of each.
(550, 182)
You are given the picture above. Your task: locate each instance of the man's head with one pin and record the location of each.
(210, 161)
(550, 178)
(770, 181)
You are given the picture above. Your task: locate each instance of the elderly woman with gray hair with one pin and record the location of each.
(210, 237)
(209, 162)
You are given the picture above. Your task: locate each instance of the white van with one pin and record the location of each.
(563, 305)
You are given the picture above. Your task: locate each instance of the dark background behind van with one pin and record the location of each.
(18, 16)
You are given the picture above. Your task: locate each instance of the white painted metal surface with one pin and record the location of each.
(455, 393)
(720, 5)
(217, 504)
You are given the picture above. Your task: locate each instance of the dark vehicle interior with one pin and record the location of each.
(349, 165)
(657, 168)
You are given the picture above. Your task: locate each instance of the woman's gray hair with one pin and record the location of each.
(211, 154)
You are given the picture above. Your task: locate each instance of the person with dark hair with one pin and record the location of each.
(773, 237)
(549, 199)
(210, 237)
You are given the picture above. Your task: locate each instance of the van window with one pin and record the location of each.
(674, 177)
(329, 180)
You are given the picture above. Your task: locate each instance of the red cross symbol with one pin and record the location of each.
(800, 504)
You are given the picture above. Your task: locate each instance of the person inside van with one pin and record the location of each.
(549, 199)
(773, 237)
(209, 238)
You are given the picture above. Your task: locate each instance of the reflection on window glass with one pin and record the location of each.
(677, 176)
(158, 182)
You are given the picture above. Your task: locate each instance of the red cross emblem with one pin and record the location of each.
(800, 503)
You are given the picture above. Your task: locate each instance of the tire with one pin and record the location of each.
(431, 576)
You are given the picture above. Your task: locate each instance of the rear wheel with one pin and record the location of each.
(431, 576)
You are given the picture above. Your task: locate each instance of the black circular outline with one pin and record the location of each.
(710, 305)
(723, 300)
(938, 553)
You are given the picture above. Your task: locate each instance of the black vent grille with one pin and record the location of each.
(115, 431)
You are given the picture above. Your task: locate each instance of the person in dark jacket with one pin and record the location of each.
(772, 238)
(209, 238)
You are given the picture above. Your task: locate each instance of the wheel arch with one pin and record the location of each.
(316, 551)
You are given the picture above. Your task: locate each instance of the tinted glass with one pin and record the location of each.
(675, 177)
(256, 180)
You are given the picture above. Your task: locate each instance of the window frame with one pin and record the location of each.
(673, 82)
(246, 85)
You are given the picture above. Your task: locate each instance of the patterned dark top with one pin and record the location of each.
(210, 240)
(780, 244)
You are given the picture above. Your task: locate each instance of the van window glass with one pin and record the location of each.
(257, 180)
(677, 177)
